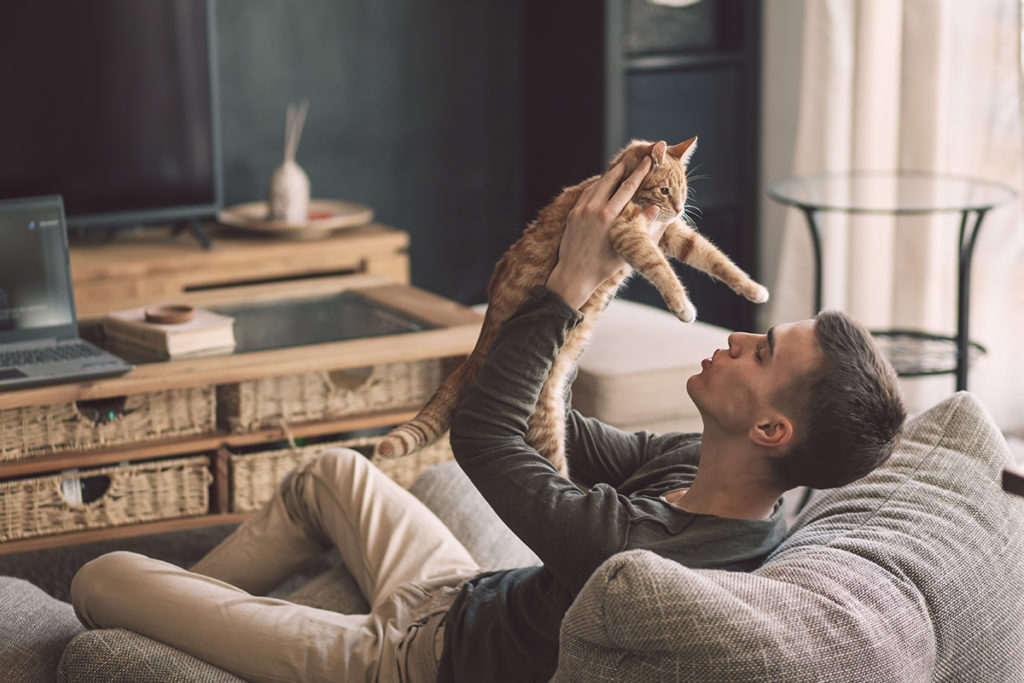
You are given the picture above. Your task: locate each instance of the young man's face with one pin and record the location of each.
(736, 386)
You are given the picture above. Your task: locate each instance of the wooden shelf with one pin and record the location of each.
(154, 264)
(128, 531)
(55, 462)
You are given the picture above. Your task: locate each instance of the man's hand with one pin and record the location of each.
(585, 255)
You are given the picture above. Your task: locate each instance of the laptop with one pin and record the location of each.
(39, 342)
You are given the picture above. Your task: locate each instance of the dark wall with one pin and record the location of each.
(415, 110)
(653, 72)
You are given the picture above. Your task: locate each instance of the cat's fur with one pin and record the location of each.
(531, 259)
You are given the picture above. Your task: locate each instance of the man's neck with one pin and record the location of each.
(728, 483)
(730, 504)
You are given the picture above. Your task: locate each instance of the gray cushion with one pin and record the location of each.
(119, 656)
(914, 573)
(34, 628)
(447, 491)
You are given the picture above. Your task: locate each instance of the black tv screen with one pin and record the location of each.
(112, 104)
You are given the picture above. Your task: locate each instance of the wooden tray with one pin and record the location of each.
(325, 216)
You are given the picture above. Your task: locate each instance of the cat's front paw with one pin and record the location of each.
(758, 294)
(687, 313)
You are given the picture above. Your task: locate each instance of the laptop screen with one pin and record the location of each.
(35, 287)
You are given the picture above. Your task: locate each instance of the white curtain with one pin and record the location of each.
(924, 85)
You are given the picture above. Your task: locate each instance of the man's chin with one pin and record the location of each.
(692, 389)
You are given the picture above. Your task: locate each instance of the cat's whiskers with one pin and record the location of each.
(693, 173)
(686, 216)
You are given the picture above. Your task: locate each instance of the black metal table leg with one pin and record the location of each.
(964, 256)
(812, 224)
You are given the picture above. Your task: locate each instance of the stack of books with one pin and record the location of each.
(133, 337)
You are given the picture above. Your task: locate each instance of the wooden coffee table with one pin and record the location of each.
(452, 333)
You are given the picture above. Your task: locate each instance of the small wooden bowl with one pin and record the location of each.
(169, 314)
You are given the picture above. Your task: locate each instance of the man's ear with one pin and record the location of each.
(772, 431)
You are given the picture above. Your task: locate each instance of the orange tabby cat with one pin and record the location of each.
(530, 260)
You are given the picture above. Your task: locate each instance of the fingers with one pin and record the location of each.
(595, 201)
(626, 191)
(593, 197)
(602, 189)
(598, 197)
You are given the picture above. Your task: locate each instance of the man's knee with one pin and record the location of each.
(105, 570)
(336, 464)
(333, 469)
(102, 579)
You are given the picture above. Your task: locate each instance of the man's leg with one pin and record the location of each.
(392, 544)
(257, 638)
(385, 535)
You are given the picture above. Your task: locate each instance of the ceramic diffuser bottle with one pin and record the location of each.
(288, 194)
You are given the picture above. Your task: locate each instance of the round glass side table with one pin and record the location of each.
(904, 193)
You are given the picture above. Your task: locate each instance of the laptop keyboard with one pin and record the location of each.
(48, 355)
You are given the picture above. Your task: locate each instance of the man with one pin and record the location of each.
(711, 502)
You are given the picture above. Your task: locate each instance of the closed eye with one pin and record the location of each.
(757, 353)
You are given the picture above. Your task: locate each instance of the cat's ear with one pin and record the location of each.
(684, 150)
(658, 151)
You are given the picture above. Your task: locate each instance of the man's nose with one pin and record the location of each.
(737, 342)
(734, 344)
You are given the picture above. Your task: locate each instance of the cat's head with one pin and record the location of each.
(665, 185)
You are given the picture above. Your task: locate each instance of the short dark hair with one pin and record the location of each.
(848, 411)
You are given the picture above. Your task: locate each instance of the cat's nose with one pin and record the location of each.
(679, 208)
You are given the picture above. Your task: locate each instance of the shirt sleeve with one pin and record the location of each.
(571, 530)
(599, 453)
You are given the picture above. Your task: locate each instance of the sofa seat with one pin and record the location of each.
(914, 573)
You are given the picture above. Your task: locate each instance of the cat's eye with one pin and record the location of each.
(664, 190)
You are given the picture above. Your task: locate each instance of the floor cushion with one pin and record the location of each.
(913, 573)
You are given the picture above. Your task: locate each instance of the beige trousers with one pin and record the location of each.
(406, 562)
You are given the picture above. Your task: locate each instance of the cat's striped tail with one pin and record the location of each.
(436, 416)
(434, 419)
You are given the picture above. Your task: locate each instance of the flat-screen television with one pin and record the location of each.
(112, 104)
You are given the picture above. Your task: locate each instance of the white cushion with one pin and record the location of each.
(633, 373)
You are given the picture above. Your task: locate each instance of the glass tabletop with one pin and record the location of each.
(264, 325)
(891, 192)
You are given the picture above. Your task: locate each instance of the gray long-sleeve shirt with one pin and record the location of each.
(504, 625)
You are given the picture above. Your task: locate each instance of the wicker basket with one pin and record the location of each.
(255, 476)
(137, 492)
(260, 403)
(33, 430)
